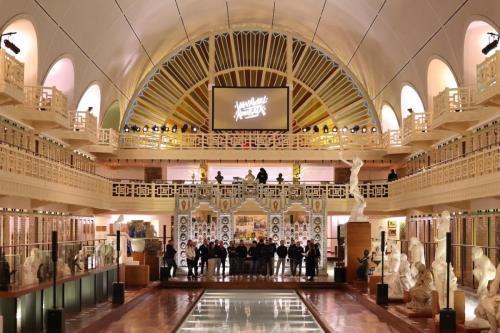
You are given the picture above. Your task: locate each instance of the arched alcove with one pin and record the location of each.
(410, 100)
(91, 100)
(62, 76)
(26, 40)
(388, 118)
(439, 77)
(476, 38)
(111, 118)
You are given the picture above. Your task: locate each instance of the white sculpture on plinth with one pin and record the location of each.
(417, 254)
(484, 270)
(31, 265)
(394, 278)
(392, 250)
(360, 203)
(62, 268)
(420, 293)
(439, 264)
(488, 309)
(124, 237)
(405, 275)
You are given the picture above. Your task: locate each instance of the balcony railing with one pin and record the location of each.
(251, 141)
(454, 100)
(11, 77)
(416, 123)
(392, 138)
(477, 164)
(488, 76)
(108, 137)
(45, 99)
(23, 163)
(83, 121)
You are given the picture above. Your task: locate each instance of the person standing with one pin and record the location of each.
(299, 255)
(170, 258)
(318, 258)
(260, 256)
(203, 253)
(291, 257)
(271, 260)
(310, 255)
(190, 257)
(211, 259)
(233, 257)
(222, 259)
(262, 176)
(241, 251)
(253, 255)
(267, 255)
(282, 252)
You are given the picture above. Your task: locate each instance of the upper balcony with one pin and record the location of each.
(417, 131)
(488, 78)
(43, 109)
(107, 142)
(456, 109)
(393, 143)
(82, 129)
(11, 79)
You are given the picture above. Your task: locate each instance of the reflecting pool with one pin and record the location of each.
(250, 311)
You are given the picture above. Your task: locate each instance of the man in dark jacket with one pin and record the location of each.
(260, 257)
(291, 257)
(267, 257)
(253, 255)
(262, 176)
(271, 260)
(233, 257)
(170, 258)
(299, 255)
(203, 253)
(282, 252)
(241, 251)
(222, 258)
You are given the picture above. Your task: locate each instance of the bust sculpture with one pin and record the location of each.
(249, 178)
(484, 270)
(420, 293)
(439, 264)
(357, 212)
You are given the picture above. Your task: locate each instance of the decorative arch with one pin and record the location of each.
(61, 75)
(91, 100)
(475, 40)
(111, 118)
(388, 118)
(323, 91)
(410, 100)
(26, 40)
(439, 77)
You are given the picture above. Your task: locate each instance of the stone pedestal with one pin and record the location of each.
(357, 239)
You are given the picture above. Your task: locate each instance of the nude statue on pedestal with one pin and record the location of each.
(360, 203)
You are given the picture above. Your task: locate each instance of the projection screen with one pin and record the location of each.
(250, 109)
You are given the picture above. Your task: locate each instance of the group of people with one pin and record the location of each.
(254, 259)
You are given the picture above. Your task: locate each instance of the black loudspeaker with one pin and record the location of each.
(447, 321)
(118, 240)
(382, 243)
(118, 296)
(382, 293)
(339, 274)
(54, 246)
(449, 252)
(55, 320)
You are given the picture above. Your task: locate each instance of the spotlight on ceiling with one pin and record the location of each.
(136, 128)
(164, 128)
(345, 129)
(355, 129)
(364, 129)
(90, 108)
(374, 129)
(325, 129)
(8, 44)
(316, 128)
(410, 110)
(126, 129)
(306, 129)
(174, 128)
(194, 129)
(145, 128)
(184, 128)
(155, 128)
(492, 44)
(335, 129)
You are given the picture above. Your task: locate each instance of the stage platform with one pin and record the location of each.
(252, 282)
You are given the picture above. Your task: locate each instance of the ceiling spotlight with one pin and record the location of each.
(145, 128)
(174, 128)
(325, 129)
(316, 128)
(364, 129)
(155, 128)
(345, 129)
(374, 129)
(8, 44)
(306, 129)
(194, 129)
(184, 128)
(90, 108)
(492, 44)
(164, 128)
(335, 129)
(135, 128)
(126, 129)
(355, 129)
(410, 110)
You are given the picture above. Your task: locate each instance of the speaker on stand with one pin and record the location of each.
(55, 316)
(164, 275)
(382, 288)
(118, 296)
(448, 316)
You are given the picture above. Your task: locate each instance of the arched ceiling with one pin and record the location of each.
(120, 41)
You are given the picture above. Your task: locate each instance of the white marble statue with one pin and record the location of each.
(62, 268)
(124, 237)
(30, 267)
(394, 278)
(420, 293)
(392, 250)
(439, 263)
(417, 254)
(117, 225)
(249, 178)
(405, 275)
(357, 212)
(484, 270)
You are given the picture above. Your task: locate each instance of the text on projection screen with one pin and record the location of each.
(250, 108)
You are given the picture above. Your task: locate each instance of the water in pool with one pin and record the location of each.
(250, 311)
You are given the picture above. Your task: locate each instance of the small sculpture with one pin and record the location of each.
(362, 270)
(405, 273)
(484, 270)
(417, 254)
(488, 309)
(62, 268)
(360, 203)
(420, 293)
(280, 178)
(394, 279)
(249, 178)
(439, 265)
(30, 267)
(219, 178)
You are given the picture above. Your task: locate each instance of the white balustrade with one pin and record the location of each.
(454, 100)
(11, 78)
(108, 137)
(391, 138)
(45, 99)
(83, 121)
(416, 123)
(488, 76)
